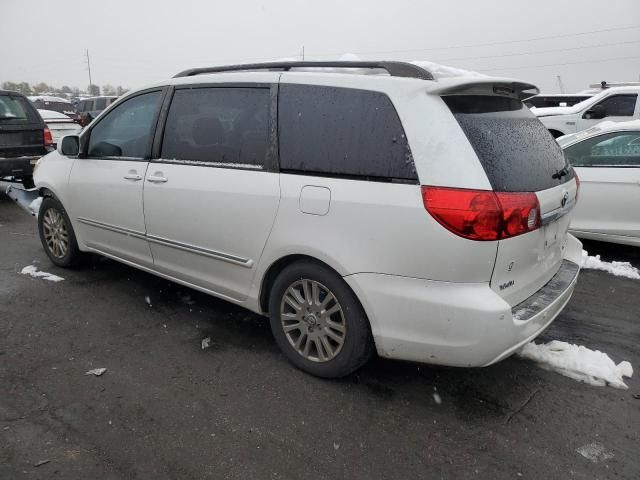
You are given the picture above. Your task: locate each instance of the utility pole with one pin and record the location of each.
(88, 66)
(560, 85)
(303, 53)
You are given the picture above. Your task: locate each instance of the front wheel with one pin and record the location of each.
(318, 322)
(56, 233)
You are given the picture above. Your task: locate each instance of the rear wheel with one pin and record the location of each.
(56, 233)
(318, 322)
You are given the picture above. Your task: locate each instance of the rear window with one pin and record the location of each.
(16, 110)
(342, 132)
(516, 150)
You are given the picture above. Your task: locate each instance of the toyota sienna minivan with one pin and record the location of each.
(373, 209)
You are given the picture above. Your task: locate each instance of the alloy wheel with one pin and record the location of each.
(313, 320)
(55, 232)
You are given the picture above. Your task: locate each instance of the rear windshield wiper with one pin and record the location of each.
(560, 173)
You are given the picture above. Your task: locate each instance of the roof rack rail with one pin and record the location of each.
(395, 69)
(604, 84)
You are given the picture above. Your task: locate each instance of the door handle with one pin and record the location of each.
(133, 176)
(157, 178)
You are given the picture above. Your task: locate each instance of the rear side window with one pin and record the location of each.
(15, 110)
(341, 131)
(101, 103)
(218, 126)
(620, 149)
(619, 105)
(516, 150)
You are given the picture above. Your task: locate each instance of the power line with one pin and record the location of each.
(504, 42)
(540, 51)
(561, 64)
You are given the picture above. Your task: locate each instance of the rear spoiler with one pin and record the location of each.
(489, 86)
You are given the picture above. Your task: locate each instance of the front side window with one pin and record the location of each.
(126, 130)
(218, 125)
(620, 149)
(619, 105)
(342, 131)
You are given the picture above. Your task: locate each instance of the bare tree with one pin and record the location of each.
(108, 90)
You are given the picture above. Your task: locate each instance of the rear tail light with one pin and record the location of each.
(483, 214)
(577, 184)
(48, 138)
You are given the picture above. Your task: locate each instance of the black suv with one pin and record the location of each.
(24, 137)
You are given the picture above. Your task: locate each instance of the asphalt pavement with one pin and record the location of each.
(167, 409)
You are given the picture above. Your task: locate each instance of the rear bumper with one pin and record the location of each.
(17, 167)
(457, 324)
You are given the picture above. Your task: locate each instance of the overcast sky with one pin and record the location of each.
(134, 42)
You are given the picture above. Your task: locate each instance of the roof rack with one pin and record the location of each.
(604, 84)
(395, 69)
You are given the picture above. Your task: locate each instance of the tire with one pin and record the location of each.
(57, 235)
(336, 344)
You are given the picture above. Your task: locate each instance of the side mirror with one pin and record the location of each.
(596, 112)
(69, 146)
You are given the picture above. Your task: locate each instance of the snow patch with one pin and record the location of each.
(445, 71)
(206, 343)
(619, 269)
(96, 371)
(579, 363)
(594, 452)
(33, 271)
(437, 398)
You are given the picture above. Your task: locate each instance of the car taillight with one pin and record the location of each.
(48, 138)
(577, 184)
(483, 214)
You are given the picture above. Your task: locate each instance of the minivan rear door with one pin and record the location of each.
(519, 155)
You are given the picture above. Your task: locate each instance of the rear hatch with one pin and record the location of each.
(519, 154)
(21, 128)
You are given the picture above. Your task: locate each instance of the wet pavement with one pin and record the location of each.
(166, 409)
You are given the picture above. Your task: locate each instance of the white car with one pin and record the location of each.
(607, 160)
(426, 219)
(614, 104)
(59, 124)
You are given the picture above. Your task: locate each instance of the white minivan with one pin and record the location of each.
(362, 206)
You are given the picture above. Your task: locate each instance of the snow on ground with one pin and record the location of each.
(33, 271)
(594, 452)
(578, 362)
(619, 269)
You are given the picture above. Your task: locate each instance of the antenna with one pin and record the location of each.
(303, 53)
(88, 66)
(560, 85)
